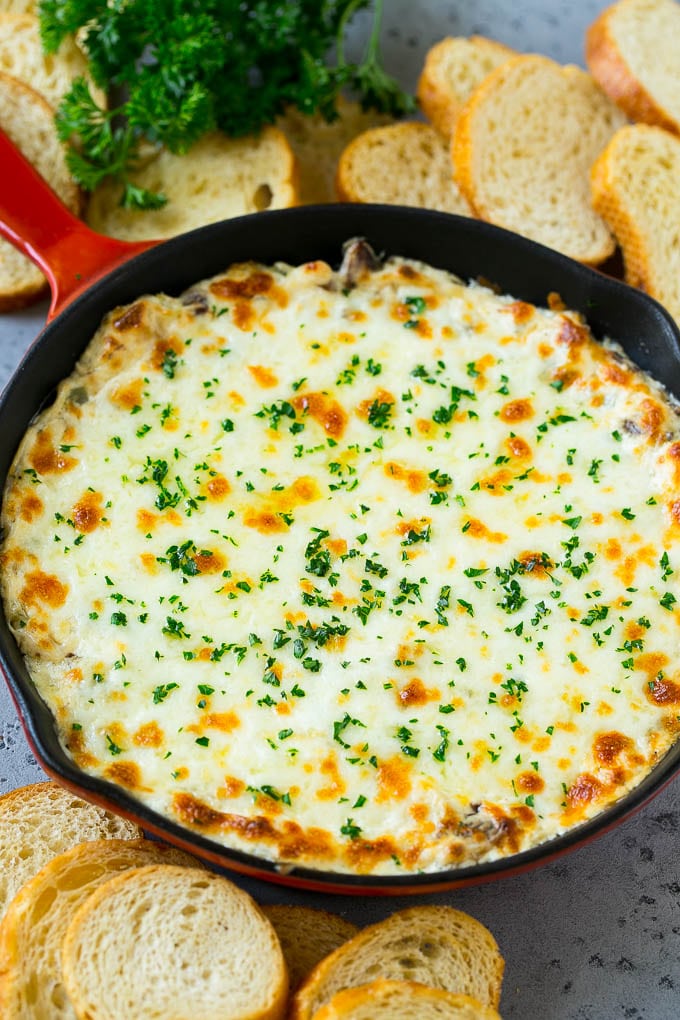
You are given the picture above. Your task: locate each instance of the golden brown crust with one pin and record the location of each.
(613, 74)
(402, 998)
(613, 210)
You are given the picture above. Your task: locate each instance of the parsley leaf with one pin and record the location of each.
(187, 68)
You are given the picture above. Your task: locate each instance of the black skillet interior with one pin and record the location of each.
(469, 248)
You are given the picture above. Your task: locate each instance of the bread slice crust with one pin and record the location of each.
(625, 48)
(402, 1000)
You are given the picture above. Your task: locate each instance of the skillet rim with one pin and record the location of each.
(609, 306)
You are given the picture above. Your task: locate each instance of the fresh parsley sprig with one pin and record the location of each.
(186, 68)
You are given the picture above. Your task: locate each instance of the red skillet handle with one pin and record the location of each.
(36, 222)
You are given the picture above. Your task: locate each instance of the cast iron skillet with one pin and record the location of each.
(73, 255)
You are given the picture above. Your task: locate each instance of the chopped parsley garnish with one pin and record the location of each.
(161, 692)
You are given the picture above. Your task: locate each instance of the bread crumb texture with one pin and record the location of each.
(209, 952)
(401, 164)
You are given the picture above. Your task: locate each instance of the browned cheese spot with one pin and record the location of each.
(88, 512)
(336, 785)
(192, 811)
(662, 691)
(517, 410)
(477, 529)
(416, 693)
(265, 521)
(414, 479)
(217, 488)
(521, 311)
(148, 735)
(46, 459)
(583, 791)
(394, 779)
(129, 395)
(613, 373)
(529, 782)
(495, 483)
(161, 348)
(572, 334)
(325, 410)
(41, 587)
(652, 418)
(146, 520)
(362, 855)
(263, 376)
(674, 453)
(31, 507)
(566, 376)
(209, 561)
(232, 787)
(226, 722)
(607, 747)
(379, 397)
(518, 447)
(248, 287)
(125, 773)
(555, 302)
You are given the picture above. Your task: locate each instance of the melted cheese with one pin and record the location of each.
(380, 579)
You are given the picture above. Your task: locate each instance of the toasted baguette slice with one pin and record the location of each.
(636, 190)
(209, 952)
(402, 1000)
(306, 936)
(28, 120)
(317, 145)
(522, 151)
(38, 822)
(31, 932)
(22, 56)
(401, 164)
(218, 178)
(453, 69)
(633, 51)
(435, 946)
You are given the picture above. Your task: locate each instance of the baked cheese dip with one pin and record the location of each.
(368, 570)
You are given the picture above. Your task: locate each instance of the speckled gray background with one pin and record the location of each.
(595, 936)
